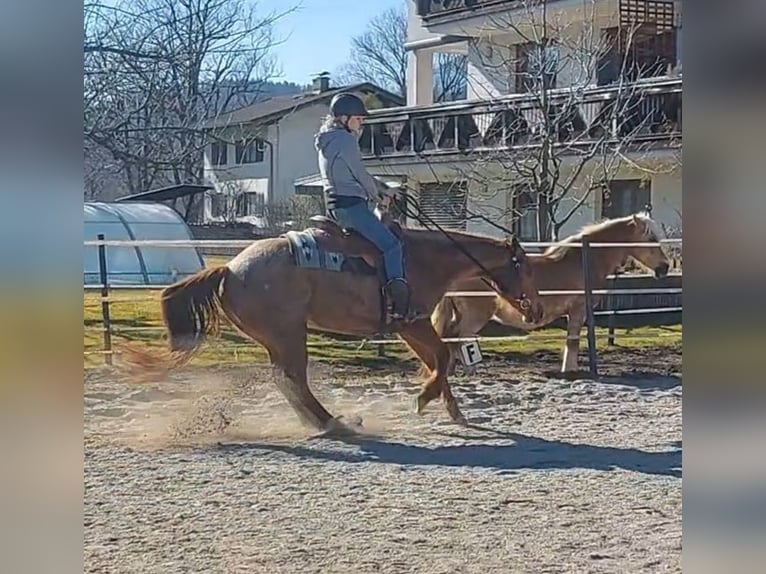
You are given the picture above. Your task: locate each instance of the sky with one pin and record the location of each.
(317, 36)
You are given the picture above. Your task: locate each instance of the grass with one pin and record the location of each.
(135, 310)
(135, 317)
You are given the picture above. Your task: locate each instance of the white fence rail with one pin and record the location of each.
(106, 288)
(234, 243)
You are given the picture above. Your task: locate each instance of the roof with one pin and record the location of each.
(274, 109)
(165, 193)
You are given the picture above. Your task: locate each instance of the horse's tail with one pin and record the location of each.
(191, 309)
(444, 318)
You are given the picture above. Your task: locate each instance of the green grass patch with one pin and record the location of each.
(135, 317)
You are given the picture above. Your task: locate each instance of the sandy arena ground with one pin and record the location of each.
(211, 472)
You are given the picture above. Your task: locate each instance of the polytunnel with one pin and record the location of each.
(138, 265)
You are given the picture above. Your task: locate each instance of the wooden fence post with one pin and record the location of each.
(107, 323)
(591, 322)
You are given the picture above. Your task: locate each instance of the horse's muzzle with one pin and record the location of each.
(531, 313)
(661, 270)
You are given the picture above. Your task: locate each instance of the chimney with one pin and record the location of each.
(321, 82)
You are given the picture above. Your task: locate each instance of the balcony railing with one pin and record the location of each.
(428, 8)
(642, 113)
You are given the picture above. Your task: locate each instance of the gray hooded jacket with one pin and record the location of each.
(340, 164)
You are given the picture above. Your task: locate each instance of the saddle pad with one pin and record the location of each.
(308, 254)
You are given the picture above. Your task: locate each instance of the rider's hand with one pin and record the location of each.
(385, 201)
(391, 192)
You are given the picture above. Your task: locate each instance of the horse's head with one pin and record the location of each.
(644, 229)
(516, 283)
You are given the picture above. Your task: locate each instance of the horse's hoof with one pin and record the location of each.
(355, 422)
(335, 427)
(457, 417)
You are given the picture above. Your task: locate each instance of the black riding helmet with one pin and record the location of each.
(347, 105)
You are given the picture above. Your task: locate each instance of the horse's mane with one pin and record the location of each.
(651, 230)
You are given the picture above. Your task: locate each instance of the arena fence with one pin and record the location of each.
(470, 344)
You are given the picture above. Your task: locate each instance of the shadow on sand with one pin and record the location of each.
(527, 453)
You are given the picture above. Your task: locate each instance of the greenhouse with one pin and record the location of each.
(138, 265)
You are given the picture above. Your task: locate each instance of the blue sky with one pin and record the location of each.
(317, 36)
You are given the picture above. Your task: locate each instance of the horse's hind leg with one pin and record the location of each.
(424, 341)
(290, 359)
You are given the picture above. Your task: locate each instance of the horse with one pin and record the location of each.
(330, 280)
(558, 268)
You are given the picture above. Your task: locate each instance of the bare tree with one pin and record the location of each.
(555, 148)
(155, 70)
(291, 213)
(378, 56)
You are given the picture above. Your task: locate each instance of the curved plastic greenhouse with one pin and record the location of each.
(138, 265)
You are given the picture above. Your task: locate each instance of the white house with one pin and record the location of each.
(608, 71)
(260, 153)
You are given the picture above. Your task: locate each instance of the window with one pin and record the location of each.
(218, 153)
(250, 151)
(248, 203)
(445, 203)
(536, 67)
(623, 197)
(524, 214)
(256, 203)
(218, 205)
(638, 53)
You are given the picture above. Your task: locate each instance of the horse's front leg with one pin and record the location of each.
(423, 340)
(575, 321)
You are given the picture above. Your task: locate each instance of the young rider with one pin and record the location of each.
(349, 191)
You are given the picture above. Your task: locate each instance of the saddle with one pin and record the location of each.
(353, 244)
(362, 256)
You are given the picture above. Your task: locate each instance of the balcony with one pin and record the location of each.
(449, 9)
(644, 114)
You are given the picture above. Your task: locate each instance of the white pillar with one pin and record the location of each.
(420, 78)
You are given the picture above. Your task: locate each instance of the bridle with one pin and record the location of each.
(524, 302)
(409, 207)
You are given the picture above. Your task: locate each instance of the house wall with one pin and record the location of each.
(491, 61)
(294, 156)
(492, 50)
(666, 200)
(492, 197)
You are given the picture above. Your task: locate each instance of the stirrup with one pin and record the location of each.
(409, 313)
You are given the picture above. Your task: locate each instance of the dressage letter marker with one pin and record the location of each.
(470, 353)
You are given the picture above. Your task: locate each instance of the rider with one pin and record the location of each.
(348, 188)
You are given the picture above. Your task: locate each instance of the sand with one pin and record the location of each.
(211, 472)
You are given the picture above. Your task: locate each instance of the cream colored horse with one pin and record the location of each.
(558, 268)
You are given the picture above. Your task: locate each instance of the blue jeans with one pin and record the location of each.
(359, 218)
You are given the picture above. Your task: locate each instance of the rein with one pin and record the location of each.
(409, 207)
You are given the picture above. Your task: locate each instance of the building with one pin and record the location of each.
(608, 73)
(259, 153)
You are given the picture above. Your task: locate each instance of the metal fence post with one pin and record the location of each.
(591, 322)
(107, 323)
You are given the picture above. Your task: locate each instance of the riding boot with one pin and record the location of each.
(399, 291)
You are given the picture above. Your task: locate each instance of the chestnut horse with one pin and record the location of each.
(271, 293)
(558, 268)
